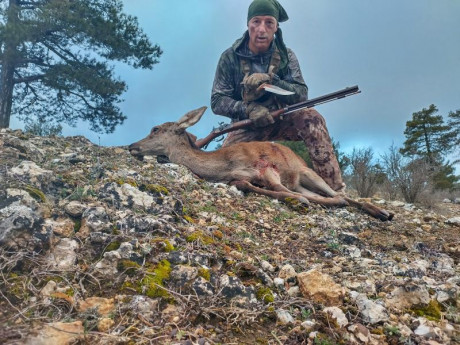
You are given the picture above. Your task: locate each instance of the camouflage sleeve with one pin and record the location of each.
(292, 81)
(223, 100)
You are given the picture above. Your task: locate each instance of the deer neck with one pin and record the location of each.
(207, 165)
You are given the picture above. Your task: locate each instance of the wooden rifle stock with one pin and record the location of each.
(348, 91)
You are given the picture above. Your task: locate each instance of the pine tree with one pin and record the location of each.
(54, 58)
(454, 125)
(426, 135)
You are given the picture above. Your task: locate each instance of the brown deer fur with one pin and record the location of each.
(261, 167)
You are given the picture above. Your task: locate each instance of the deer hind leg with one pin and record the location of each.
(313, 182)
(370, 209)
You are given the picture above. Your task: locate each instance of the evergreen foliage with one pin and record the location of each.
(299, 148)
(454, 126)
(55, 54)
(42, 128)
(426, 135)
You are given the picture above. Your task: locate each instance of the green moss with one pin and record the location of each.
(17, 286)
(152, 283)
(36, 193)
(204, 273)
(292, 201)
(127, 285)
(377, 331)
(113, 246)
(168, 247)
(264, 294)
(130, 181)
(127, 266)
(199, 236)
(432, 311)
(157, 189)
(77, 225)
(189, 219)
(70, 292)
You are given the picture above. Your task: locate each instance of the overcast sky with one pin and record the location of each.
(403, 54)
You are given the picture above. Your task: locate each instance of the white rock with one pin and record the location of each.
(287, 271)
(75, 208)
(284, 317)
(397, 203)
(294, 291)
(266, 266)
(108, 265)
(64, 255)
(48, 289)
(279, 283)
(30, 169)
(134, 195)
(338, 315)
(353, 251)
(453, 221)
(371, 311)
(424, 331)
(308, 324)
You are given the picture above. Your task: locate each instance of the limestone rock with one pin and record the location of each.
(453, 221)
(371, 311)
(63, 256)
(338, 315)
(75, 208)
(103, 306)
(284, 317)
(320, 287)
(287, 272)
(404, 297)
(105, 324)
(232, 288)
(57, 333)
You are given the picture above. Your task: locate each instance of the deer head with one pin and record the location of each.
(158, 142)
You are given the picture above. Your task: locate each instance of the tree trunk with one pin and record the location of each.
(8, 65)
(6, 92)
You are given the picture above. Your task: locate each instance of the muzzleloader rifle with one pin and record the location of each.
(348, 91)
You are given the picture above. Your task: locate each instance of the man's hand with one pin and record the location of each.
(251, 83)
(256, 79)
(259, 115)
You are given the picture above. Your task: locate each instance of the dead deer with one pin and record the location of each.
(260, 167)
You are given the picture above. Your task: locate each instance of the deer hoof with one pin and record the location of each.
(378, 213)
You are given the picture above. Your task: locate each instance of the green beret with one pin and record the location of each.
(267, 8)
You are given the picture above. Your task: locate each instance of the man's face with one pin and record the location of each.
(261, 32)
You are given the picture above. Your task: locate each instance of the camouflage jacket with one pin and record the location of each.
(226, 94)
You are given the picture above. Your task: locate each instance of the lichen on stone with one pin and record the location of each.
(264, 294)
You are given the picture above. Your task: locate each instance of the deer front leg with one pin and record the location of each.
(337, 201)
(247, 186)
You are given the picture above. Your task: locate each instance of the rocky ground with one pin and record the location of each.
(99, 248)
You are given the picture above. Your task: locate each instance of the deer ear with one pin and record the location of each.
(191, 118)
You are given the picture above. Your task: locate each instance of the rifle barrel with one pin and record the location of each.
(348, 91)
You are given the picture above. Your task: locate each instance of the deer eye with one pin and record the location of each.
(154, 130)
